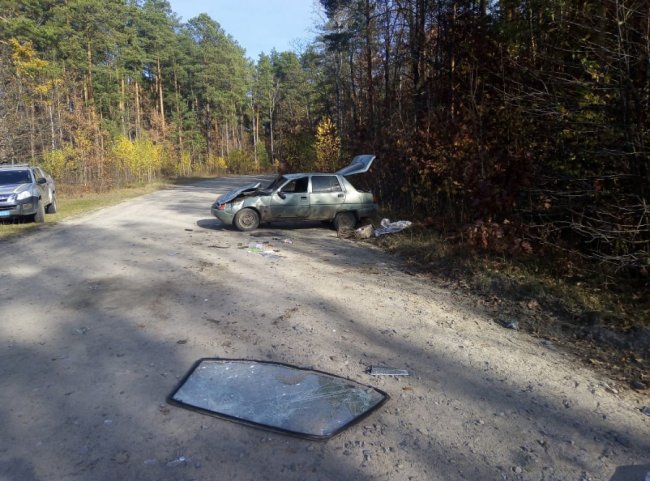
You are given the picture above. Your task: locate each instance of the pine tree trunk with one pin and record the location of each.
(161, 104)
(122, 104)
(138, 114)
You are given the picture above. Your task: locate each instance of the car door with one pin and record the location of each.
(291, 201)
(326, 198)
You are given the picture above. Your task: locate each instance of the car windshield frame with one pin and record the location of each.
(18, 177)
(277, 183)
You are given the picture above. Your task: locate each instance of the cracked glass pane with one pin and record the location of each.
(276, 396)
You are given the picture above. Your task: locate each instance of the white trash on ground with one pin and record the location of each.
(388, 227)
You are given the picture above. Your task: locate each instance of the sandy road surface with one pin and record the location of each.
(101, 315)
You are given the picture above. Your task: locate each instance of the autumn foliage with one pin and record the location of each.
(516, 125)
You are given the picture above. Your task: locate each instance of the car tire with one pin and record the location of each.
(52, 208)
(246, 219)
(345, 221)
(39, 217)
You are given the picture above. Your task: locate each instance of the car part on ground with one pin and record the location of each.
(275, 396)
(328, 197)
(26, 192)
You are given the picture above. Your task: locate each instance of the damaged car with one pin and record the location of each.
(307, 196)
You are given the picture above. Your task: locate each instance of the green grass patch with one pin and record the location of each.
(73, 203)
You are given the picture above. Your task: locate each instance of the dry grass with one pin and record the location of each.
(601, 316)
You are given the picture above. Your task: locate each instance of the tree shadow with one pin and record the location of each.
(88, 361)
(631, 473)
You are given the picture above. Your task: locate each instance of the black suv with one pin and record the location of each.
(26, 192)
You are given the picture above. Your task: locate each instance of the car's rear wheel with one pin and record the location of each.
(52, 208)
(39, 217)
(344, 221)
(247, 219)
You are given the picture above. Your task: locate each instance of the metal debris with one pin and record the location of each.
(387, 371)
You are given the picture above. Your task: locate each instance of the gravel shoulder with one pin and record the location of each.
(100, 316)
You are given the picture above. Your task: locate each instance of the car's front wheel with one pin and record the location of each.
(39, 217)
(247, 219)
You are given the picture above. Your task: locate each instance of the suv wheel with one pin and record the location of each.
(52, 208)
(39, 217)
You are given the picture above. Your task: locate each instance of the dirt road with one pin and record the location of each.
(102, 315)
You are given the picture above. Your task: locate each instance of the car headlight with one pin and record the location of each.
(23, 195)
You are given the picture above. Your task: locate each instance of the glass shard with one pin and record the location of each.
(276, 396)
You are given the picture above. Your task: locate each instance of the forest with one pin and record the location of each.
(511, 125)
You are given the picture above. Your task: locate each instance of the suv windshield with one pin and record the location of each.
(10, 177)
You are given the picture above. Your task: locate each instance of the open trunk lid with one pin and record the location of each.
(359, 165)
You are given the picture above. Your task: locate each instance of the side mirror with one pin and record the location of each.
(282, 195)
(42, 180)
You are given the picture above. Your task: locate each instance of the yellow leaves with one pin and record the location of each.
(216, 163)
(24, 57)
(141, 158)
(328, 145)
(60, 161)
(34, 72)
(183, 167)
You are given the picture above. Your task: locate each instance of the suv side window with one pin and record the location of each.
(325, 183)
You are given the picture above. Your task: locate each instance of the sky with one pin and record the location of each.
(258, 25)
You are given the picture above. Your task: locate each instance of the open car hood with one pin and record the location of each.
(359, 165)
(233, 194)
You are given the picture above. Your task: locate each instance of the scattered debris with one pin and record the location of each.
(388, 227)
(285, 316)
(121, 458)
(638, 385)
(265, 249)
(364, 232)
(287, 241)
(214, 246)
(509, 324)
(81, 330)
(387, 371)
(645, 410)
(181, 341)
(179, 461)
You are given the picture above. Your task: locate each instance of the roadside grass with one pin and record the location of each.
(579, 287)
(602, 316)
(72, 203)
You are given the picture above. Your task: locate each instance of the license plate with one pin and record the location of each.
(4, 213)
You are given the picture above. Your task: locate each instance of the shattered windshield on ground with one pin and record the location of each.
(275, 396)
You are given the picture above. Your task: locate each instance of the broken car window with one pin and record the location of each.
(276, 396)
